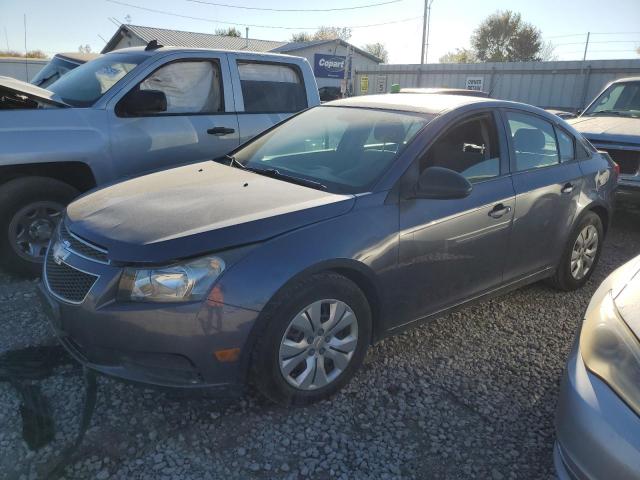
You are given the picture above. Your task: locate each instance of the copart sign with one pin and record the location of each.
(328, 66)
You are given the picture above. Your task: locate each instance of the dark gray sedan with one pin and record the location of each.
(281, 263)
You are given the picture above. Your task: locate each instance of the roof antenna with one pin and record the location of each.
(153, 45)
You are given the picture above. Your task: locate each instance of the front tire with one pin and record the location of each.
(30, 208)
(316, 335)
(581, 254)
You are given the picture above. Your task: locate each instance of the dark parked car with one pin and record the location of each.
(599, 408)
(352, 221)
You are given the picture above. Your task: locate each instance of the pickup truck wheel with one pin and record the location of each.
(30, 208)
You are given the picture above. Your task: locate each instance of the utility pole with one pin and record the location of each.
(586, 46)
(424, 30)
(426, 48)
(26, 62)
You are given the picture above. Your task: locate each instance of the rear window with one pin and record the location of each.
(271, 88)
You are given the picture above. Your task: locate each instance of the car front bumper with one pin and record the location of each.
(598, 435)
(167, 345)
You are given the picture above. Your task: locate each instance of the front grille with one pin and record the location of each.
(66, 282)
(81, 247)
(629, 160)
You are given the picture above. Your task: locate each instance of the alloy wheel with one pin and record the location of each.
(31, 228)
(318, 344)
(584, 252)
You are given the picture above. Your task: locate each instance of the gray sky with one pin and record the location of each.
(62, 25)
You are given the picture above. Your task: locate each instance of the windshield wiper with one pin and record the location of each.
(275, 173)
(609, 112)
(230, 161)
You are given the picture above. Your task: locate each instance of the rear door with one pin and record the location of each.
(547, 180)
(199, 124)
(266, 92)
(452, 250)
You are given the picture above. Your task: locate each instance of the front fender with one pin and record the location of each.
(57, 135)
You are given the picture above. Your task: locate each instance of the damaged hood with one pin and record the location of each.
(608, 128)
(13, 86)
(196, 209)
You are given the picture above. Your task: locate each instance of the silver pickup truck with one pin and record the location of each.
(126, 113)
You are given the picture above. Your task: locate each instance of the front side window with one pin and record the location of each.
(346, 149)
(620, 99)
(566, 145)
(534, 141)
(271, 88)
(83, 86)
(190, 87)
(469, 148)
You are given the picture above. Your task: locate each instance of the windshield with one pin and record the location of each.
(345, 149)
(83, 86)
(621, 99)
(52, 71)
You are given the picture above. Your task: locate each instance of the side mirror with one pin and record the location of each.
(142, 102)
(441, 183)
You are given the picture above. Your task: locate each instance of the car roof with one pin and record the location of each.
(446, 90)
(169, 49)
(414, 102)
(627, 79)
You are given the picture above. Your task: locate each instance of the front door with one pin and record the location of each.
(547, 181)
(452, 250)
(198, 124)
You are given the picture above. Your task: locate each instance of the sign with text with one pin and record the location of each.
(381, 84)
(364, 84)
(328, 66)
(475, 83)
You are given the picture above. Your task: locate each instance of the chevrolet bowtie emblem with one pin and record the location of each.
(60, 253)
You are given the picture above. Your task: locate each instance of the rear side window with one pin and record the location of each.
(271, 88)
(534, 141)
(565, 143)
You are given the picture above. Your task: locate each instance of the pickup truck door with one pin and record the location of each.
(267, 91)
(199, 123)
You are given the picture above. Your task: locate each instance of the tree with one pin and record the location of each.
(228, 32)
(461, 55)
(301, 37)
(84, 48)
(332, 33)
(29, 54)
(505, 37)
(377, 50)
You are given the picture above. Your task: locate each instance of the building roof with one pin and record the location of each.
(294, 46)
(180, 38)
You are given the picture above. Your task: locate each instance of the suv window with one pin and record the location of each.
(469, 148)
(271, 88)
(534, 141)
(566, 145)
(190, 87)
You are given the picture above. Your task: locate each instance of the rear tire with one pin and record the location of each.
(572, 272)
(342, 304)
(30, 208)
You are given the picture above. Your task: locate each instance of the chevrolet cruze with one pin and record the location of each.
(280, 263)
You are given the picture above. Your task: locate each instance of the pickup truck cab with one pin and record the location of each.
(129, 112)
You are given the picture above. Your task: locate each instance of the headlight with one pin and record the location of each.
(612, 351)
(181, 282)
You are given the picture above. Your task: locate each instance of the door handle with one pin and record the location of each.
(499, 210)
(221, 131)
(568, 188)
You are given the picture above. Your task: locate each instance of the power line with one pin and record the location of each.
(211, 20)
(602, 41)
(242, 7)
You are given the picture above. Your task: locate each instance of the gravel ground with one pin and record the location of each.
(470, 395)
